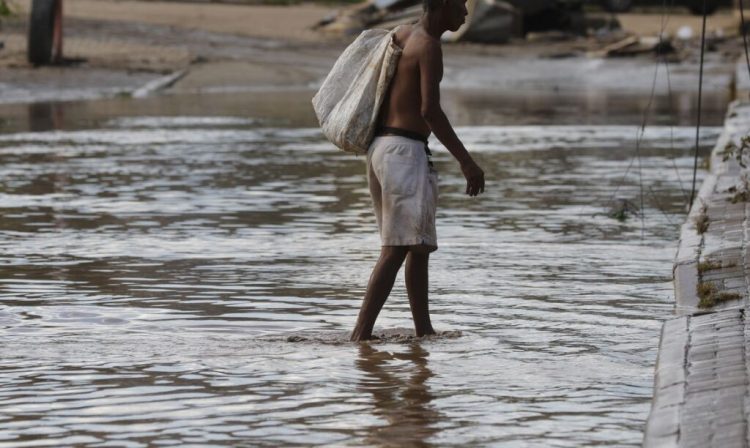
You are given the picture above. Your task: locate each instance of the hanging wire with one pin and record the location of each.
(658, 204)
(638, 149)
(642, 128)
(700, 94)
(639, 135)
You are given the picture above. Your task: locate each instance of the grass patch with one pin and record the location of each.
(5, 9)
(701, 221)
(741, 192)
(623, 210)
(712, 301)
(708, 265)
(709, 295)
(738, 153)
(740, 196)
(706, 289)
(706, 294)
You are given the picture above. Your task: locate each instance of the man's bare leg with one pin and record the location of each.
(381, 282)
(416, 287)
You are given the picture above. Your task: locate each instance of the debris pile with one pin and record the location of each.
(560, 23)
(488, 21)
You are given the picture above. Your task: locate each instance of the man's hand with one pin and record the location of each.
(474, 178)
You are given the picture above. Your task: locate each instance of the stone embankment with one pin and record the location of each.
(702, 384)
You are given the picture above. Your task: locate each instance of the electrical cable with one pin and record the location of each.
(639, 134)
(658, 204)
(642, 128)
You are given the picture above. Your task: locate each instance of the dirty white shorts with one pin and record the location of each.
(404, 192)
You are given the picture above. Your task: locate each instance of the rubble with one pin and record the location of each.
(488, 21)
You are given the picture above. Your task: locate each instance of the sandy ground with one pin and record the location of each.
(288, 23)
(220, 47)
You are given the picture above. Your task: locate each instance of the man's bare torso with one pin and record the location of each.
(402, 105)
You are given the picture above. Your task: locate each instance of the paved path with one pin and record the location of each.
(701, 395)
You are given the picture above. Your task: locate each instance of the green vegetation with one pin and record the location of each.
(623, 210)
(619, 215)
(706, 289)
(732, 151)
(740, 196)
(719, 298)
(710, 296)
(708, 265)
(740, 193)
(5, 8)
(701, 221)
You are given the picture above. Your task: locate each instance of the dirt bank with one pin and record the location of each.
(272, 22)
(224, 48)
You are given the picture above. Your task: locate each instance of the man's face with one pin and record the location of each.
(454, 12)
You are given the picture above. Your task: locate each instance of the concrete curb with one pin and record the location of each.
(694, 247)
(685, 270)
(662, 428)
(701, 395)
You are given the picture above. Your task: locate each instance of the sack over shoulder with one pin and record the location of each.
(348, 102)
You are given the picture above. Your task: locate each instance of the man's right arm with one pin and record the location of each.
(431, 73)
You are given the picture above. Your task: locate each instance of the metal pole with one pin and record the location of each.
(57, 51)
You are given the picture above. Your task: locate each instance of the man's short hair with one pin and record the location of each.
(431, 5)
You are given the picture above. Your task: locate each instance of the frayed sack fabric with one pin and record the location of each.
(349, 100)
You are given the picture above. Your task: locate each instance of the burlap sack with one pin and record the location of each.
(349, 100)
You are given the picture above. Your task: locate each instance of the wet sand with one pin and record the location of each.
(229, 48)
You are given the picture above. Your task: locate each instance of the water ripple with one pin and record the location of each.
(155, 273)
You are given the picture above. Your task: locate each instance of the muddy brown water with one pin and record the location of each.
(184, 272)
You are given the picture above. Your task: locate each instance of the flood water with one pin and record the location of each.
(190, 280)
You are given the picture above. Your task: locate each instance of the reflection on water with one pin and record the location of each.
(464, 108)
(153, 269)
(401, 397)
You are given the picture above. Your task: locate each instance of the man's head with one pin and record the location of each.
(452, 13)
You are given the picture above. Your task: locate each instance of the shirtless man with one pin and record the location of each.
(401, 178)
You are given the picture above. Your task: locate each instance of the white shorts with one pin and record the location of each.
(404, 192)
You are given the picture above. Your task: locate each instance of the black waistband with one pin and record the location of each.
(386, 130)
